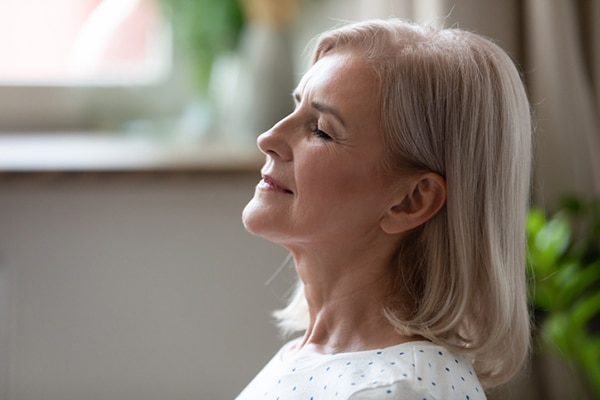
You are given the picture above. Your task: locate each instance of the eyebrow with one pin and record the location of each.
(323, 108)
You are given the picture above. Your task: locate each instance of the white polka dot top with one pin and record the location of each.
(409, 371)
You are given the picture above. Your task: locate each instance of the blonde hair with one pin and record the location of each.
(453, 103)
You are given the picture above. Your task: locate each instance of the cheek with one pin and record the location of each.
(321, 190)
(347, 185)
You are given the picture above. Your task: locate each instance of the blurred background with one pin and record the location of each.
(127, 152)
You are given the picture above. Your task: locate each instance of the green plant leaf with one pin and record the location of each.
(584, 310)
(579, 281)
(555, 331)
(535, 221)
(549, 244)
(564, 278)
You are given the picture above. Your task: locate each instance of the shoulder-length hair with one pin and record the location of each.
(453, 103)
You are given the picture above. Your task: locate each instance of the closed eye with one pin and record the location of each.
(320, 134)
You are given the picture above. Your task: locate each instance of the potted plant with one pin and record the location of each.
(564, 267)
(237, 54)
(202, 30)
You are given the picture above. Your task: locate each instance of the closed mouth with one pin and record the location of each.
(274, 185)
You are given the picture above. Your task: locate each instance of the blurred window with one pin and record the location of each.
(100, 49)
(80, 41)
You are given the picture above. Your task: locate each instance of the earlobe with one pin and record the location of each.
(423, 198)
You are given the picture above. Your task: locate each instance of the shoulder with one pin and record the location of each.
(410, 371)
(417, 370)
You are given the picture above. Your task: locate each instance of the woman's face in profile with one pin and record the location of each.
(323, 180)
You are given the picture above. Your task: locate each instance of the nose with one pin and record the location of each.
(276, 141)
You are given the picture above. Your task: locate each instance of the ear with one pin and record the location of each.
(420, 200)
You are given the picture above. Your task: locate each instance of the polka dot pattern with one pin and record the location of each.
(409, 371)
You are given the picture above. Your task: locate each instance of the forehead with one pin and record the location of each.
(340, 77)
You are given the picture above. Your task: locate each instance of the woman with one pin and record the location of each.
(399, 185)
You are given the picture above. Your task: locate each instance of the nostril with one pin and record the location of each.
(278, 142)
(274, 143)
(264, 143)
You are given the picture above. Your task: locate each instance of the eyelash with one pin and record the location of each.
(320, 134)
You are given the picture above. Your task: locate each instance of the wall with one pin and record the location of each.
(132, 288)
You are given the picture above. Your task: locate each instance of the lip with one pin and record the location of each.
(270, 183)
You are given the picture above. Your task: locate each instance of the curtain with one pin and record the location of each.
(562, 60)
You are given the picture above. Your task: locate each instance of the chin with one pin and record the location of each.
(247, 217)
(254, 218)
(262, 221)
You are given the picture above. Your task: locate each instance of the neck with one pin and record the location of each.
(346, 292)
